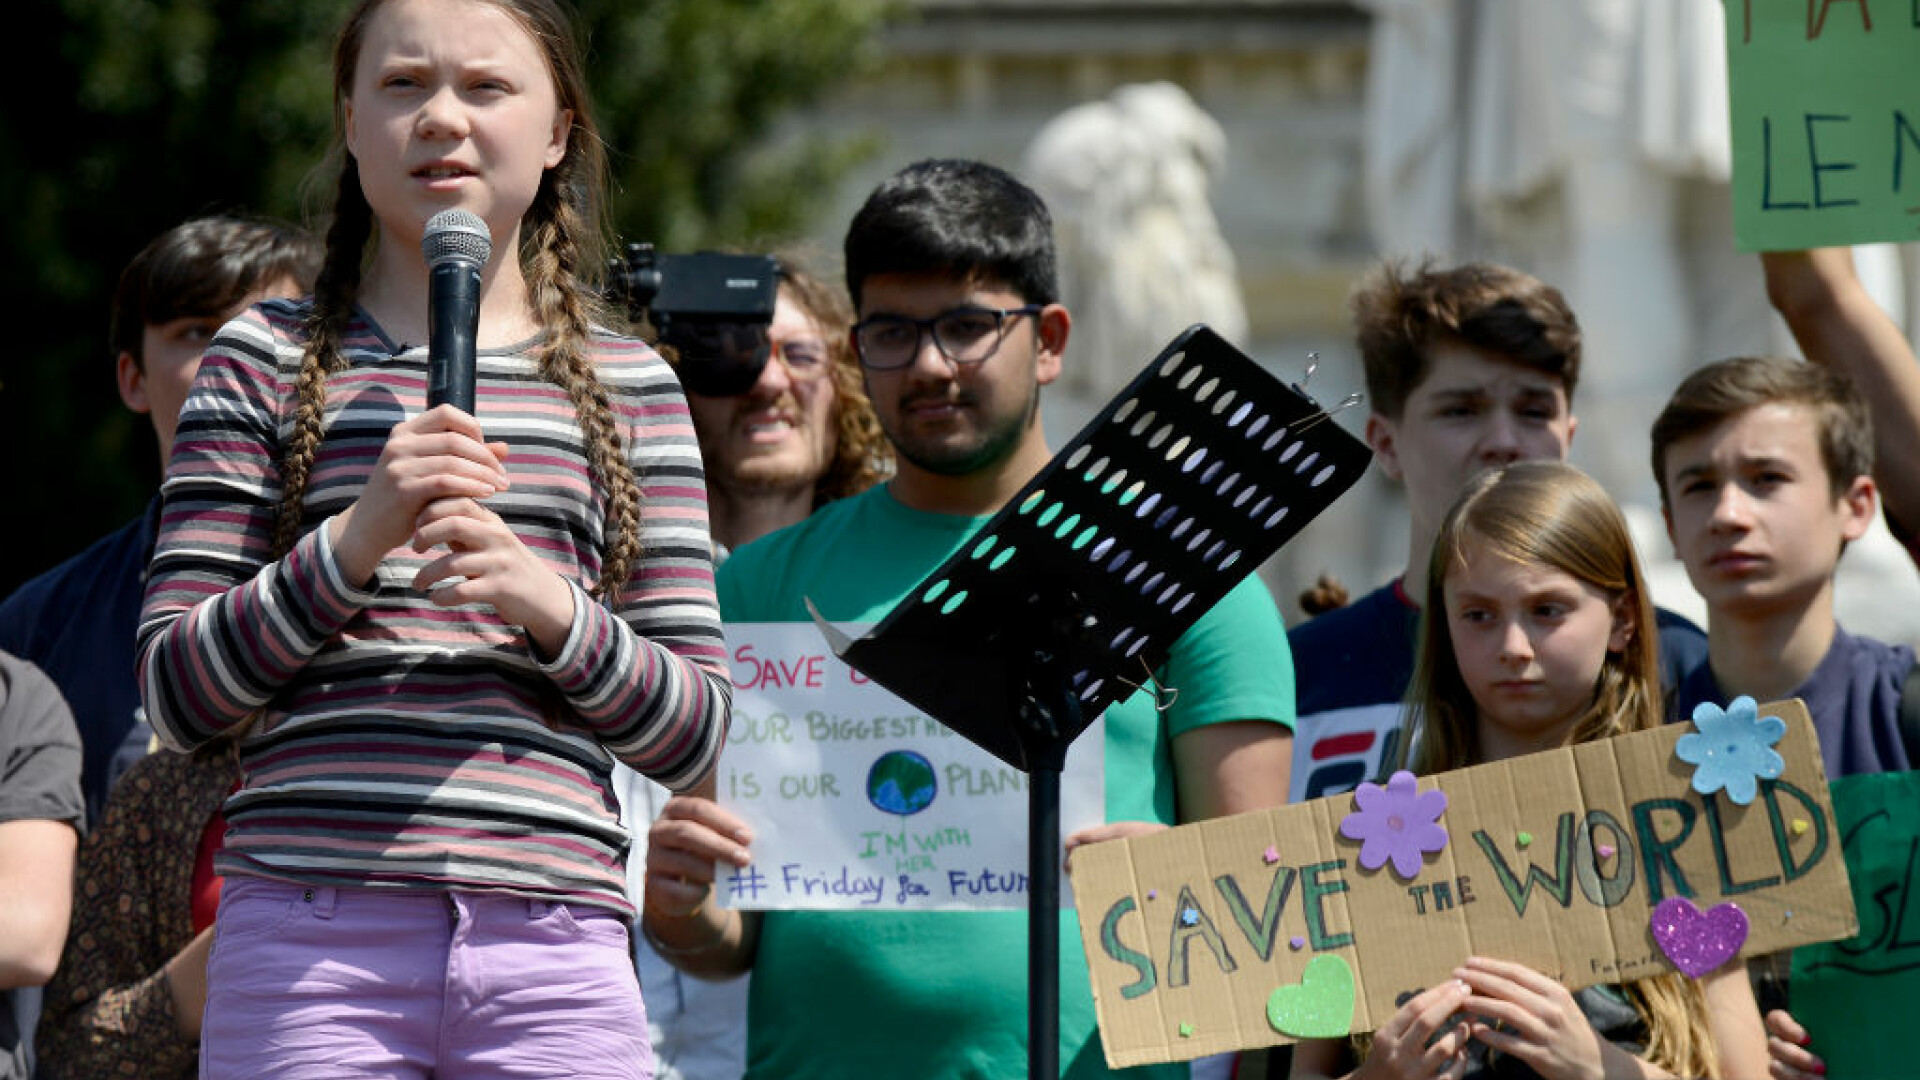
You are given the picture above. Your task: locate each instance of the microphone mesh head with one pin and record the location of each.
(456, 235)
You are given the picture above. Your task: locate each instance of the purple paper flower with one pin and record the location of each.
(1397, 822)
(1732, 749)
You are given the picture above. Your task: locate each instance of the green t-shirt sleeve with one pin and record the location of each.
(726, 581)
(741, 586)
(1233, 664)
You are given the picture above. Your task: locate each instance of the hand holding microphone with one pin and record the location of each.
(484, 562)
(428, 487)
(437, 455)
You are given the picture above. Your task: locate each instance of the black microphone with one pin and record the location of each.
(457, 245)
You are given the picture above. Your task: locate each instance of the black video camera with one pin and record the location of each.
(713, 309)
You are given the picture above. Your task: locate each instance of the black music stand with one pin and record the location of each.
(1066, 600)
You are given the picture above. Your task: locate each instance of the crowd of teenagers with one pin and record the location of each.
(381, 744)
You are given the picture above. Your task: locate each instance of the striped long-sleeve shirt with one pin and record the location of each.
(400, 743)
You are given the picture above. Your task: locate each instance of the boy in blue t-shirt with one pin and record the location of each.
(1765, 473)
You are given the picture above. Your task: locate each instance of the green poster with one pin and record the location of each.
(1826, 121)
(1858, 998)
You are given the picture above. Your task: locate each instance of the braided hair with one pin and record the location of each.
(560, 257)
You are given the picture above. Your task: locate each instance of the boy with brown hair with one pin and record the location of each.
(1467, 368)
(951, 266)
(77, 621)
(1765, 473)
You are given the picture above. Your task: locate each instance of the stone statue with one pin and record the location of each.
(1141, 253)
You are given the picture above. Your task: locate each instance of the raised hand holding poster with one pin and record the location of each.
(1681, 849)
(858, 800)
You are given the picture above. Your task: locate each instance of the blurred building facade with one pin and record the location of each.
(1304, 195)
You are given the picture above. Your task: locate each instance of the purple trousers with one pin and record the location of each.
(313, 983)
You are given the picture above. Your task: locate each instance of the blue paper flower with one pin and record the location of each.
(1732, 749)
(1398, 822)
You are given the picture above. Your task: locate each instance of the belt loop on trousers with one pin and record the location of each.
(324, 900)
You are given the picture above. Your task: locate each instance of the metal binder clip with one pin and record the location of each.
(1163, 696)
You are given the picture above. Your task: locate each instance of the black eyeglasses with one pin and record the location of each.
(964, 335)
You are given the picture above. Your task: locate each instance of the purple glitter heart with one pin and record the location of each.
(1697, 941)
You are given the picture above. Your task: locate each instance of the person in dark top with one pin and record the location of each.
(1765, 469)
(1838, 325)
(77, 621)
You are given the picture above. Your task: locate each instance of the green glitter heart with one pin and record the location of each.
(1320, 1006)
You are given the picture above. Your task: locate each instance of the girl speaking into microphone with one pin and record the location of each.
(439, 629)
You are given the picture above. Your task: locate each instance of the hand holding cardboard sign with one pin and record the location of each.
(1425, 1038)
(1528, 1016)
(1112, 830)
(1787, 1053)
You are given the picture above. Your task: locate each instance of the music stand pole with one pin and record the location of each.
(1049, 718)
(1043, 919)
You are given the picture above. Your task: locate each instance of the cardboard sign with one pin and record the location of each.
(1826, 122)
(1869, 983)
(1203, 938)
(858, 800)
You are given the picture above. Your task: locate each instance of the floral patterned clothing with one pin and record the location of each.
(108, 1011)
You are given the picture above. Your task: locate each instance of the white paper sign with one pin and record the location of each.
(859, 801)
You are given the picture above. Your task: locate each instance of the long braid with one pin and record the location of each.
(333, 296)
(557, 262)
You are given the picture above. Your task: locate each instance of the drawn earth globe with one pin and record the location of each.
(901, 782)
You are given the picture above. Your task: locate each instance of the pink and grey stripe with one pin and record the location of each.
(399, 743)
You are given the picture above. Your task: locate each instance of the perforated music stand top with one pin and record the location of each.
(1185, 483)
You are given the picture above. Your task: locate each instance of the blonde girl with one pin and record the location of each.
(1539, 634)
(442, 628)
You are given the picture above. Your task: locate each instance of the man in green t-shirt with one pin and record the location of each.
(950, 265)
